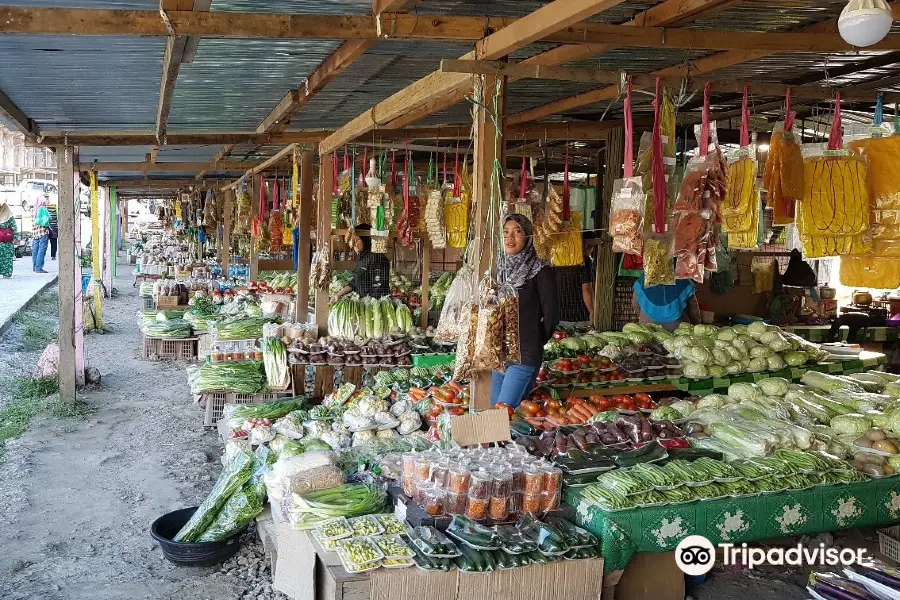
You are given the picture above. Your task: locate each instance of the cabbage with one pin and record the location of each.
(802, 437)
(681, 341)
(739, 329)
(701, 356)
(748, 341)
(705, 342)
(769, 337)
(743, 441)
(720, 357)
(892, 390)
(829, 383)
(722, 344)
(670, 345)
(639, 338)
(717, 371)
(745, 363)
(852, 424)
(665, 413)
(774, 386)
(662, 336)
(684, 329)
(733, 352)
(760, 352)
(758, 365)
(635, 327)
(704, 330)
(796, 359)
(695, 371)
(869, 382)
(756, 329)
(734, 368)
(683, 407)
(744, 391)
(712, 401)
(776, 363)
(726, 334)
(740, 344)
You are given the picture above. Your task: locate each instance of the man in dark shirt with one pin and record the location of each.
(576, 293)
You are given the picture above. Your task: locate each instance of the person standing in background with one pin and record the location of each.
(40, 234)
(576, 293)
(54, 228)
(8, 234)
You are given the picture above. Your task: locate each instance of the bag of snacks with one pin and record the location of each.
(489, 333)
(465, 346)
(626, 216)
(509, 304)
(658, 260)
(454, 314)
(783, 176)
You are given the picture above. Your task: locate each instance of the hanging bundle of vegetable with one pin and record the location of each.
(434, 210)
(740, 206)
(783, 176)
(275, 219)
(404, 222)
(242, 209)
(696, 210)
(552, 224)
(626, 214)
(833, 216)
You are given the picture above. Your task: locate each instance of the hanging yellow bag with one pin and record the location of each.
(870, 272)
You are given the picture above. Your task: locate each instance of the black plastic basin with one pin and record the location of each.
(193, 554)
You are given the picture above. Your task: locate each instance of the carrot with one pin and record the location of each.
(455, 386)
(535, 422)
(591, 409)
(417, 393)
(581, 412)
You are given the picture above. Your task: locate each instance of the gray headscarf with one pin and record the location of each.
(524, 265)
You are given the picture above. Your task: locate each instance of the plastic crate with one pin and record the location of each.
(889, 542)
(432, 360)
(149, 303)
(164, 349)
(215, 403)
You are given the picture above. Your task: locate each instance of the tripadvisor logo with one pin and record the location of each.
(696, 555)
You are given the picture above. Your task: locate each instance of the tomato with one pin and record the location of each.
(642, 396)
(435, 410)
(603, 403)
(457, 411)
(503, 406)
(529, 407)
(553, 403)
(559, 335)
(584, 359)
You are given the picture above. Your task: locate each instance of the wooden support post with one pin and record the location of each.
(323, 234)
(426, 282)
(225, 251)
(605, 281)
(69, 275)
(304, 211)
(487, 149)
(109, 234)
(254, 213)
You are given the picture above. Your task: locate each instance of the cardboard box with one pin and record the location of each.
(303, 573)
(485, 427)
(651, 576)
(167, 302)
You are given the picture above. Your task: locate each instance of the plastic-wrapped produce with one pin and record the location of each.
(455, 312)
(244, 505)
(230, 480)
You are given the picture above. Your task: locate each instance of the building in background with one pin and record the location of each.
(19, 162)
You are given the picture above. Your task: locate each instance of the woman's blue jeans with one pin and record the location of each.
(512, 386)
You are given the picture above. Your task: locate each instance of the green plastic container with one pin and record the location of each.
(433, 360)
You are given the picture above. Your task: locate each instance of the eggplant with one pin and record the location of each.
(835, 587)
(879, 576)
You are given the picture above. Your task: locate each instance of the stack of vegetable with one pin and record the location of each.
(275, 361)
(166, 328)
(245, 377)
(240, 328)
(367, 318)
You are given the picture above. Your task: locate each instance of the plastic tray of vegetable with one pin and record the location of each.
(475, 561)
(472, 534)
(432, 543)
(583, 553)
(575, 536)
(365, 526)
(393, 547)
(333, 529)
(513, 541)
(390, 524)
(548, 538)
(390, 563)
(426, 563)
(360, 550)
(607, 499)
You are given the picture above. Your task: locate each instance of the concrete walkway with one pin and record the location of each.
(19, 290)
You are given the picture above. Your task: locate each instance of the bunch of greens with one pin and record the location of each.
(242, 377)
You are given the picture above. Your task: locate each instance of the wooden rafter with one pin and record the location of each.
(663, 14)
(703, 65)
(392, 6)
(731, 86)
(168, 167)
(547, 19)
(16, 117)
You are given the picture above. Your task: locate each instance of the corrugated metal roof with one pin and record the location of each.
(81, 82)
(519, 8)
(325, 7)
(233, 84)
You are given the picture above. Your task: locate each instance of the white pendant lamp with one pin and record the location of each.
(865, 22)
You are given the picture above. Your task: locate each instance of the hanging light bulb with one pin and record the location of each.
(865, 22)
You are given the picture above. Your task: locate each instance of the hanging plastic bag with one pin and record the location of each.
(764, 276)
(626, 213)
(454, 314)
(465, 346)
(489, 333)
(882, 155)
(658, 260)
(783, 176)
(509, 304)
(870, 272)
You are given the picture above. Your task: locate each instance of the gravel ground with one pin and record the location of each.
(79, 495)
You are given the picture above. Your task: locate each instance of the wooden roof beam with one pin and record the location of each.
(547, 19)
(663, 14)
(392, 6)
(700, 66)
(168, 167)
(17, 117)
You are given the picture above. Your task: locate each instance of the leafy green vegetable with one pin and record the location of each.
(245, 377)
(244, 505)
(230, 480)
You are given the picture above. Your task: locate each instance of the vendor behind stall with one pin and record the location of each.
(372, 273)
(666, 305)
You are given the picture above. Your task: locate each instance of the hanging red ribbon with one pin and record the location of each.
(262, 198)
(566, 197)
(346, 160)
(629, 131)
(658, 173)
(276, 194)
(704, 124)
(284, 193)
(788, 115)
(406, 181)
(523, 180)
(456, 182)
(745, 121)
(393, 169)
(334, 175)
(836, 137)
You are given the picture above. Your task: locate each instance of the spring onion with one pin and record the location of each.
(347, 500)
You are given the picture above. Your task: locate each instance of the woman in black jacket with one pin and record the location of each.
(372, 273)
(535, 283)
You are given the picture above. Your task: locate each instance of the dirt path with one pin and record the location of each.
(78, 496)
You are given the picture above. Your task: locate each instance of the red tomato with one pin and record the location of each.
(436, 409)
(501, 405)
(457, 411)
(642, 396)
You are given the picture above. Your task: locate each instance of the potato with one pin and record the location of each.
(873, 470)
(862, 457)
(863, 442)
(885, 446)
(888, 470)
(875, 435)
(876, 460)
